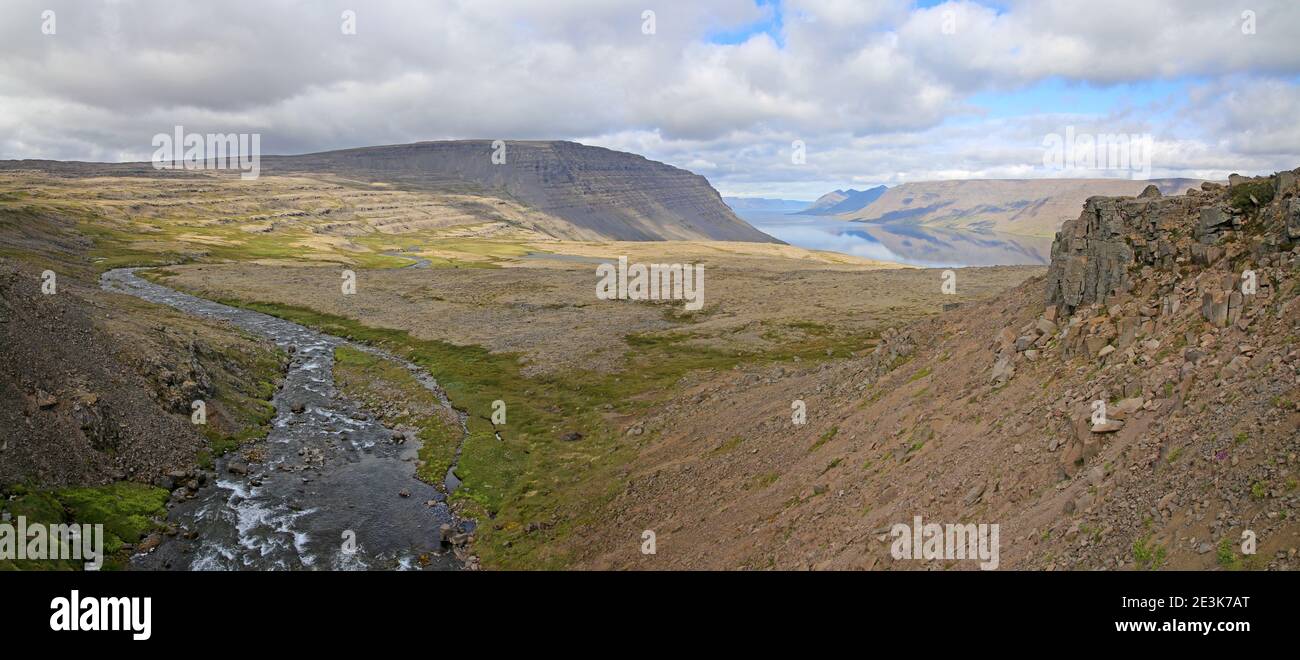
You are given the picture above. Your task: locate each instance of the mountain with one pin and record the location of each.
(1029, 207)
(584, 192)
(765, 204)
(844, 201)
(615, 194)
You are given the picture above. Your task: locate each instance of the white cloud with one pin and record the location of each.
(877, 89)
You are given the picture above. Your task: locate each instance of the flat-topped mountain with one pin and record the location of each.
(615, 194)
(587, 192)
(1029, 207)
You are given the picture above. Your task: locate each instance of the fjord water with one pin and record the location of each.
(910, 244)
(331, 472)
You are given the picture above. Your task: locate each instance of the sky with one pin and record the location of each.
(769, 98)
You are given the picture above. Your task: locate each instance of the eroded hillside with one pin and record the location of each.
(984, 414)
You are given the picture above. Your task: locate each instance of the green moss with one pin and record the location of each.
(127, 511)
(1148, 555)
(728, 445)
(825, 438)
(1241, 195)
(123, 508)
(1226, 556)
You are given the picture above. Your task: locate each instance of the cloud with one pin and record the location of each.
(880, 91)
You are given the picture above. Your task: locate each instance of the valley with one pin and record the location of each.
(588, 422)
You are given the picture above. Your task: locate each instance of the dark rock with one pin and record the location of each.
(45, 400)
(1213, 220)
(1292, 211)
(1090, 256)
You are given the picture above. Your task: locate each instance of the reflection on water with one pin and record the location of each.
(903, 243)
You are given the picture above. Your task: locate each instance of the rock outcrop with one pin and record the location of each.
(1094, 255)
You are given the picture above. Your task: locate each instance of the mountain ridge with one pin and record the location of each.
(590, 191)
(839, 202)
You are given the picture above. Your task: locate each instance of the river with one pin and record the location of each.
(336, 491)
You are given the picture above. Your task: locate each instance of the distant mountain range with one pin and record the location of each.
(1028, 207)
(840, 202)
(765, 204)
(832, 203)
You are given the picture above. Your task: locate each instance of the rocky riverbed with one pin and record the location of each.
(329, 488)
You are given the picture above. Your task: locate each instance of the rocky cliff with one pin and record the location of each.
(1103, 251)
(617, 195)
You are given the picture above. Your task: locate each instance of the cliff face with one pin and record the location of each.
(1100, 253)
(618, 195)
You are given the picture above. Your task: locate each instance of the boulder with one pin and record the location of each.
(1002, 370)
(1214, 308)
(1236, 366)
(1213, 220)
(1285, 183)
(1094, 344)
